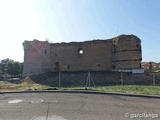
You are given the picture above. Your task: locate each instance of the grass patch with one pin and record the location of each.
(28, 84)
(133, 89)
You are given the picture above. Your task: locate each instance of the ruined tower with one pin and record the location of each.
(126, 52)
(36, 57)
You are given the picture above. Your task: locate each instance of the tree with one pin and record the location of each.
(0, 69)
(11, 67)
(21, 68)
(3, 63)
(17, 68)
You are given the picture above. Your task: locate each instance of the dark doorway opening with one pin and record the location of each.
(57, 66)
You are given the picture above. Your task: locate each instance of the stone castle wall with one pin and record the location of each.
(126, 52)
(96, 56)
(122, 52)
(36, 57)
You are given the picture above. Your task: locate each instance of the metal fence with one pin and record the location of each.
(95, 78)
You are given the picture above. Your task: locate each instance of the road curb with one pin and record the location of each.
(85, 92)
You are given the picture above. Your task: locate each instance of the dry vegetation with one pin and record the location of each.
(26, 84)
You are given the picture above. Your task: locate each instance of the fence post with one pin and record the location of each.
(121, 78)
(154, 80)
(89, 78)
(59, 79)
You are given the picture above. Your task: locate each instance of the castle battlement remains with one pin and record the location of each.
(121, 52)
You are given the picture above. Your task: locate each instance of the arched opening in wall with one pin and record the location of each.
(68, 67)
(140, 65)
(80, 51)
(57, 66)
(98, 65)
(45, 52)
(113, 67)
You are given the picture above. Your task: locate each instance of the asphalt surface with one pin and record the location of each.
(77, 106)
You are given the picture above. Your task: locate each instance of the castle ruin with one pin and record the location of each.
(119, 53)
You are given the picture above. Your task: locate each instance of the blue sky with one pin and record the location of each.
(79, 20)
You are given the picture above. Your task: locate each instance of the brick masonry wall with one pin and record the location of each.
(96, 56)
(123, 51)
(126, 52)
(36, 57)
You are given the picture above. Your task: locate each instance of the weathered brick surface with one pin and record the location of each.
(126, 52)
(122, 52)
(96, 56)
(36, 57)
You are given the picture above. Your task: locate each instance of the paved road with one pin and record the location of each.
(67, 106)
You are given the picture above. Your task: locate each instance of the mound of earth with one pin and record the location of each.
(28, 80)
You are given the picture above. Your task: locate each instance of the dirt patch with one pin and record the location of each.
(28, 80)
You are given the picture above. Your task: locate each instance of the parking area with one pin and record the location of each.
(76, 106)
